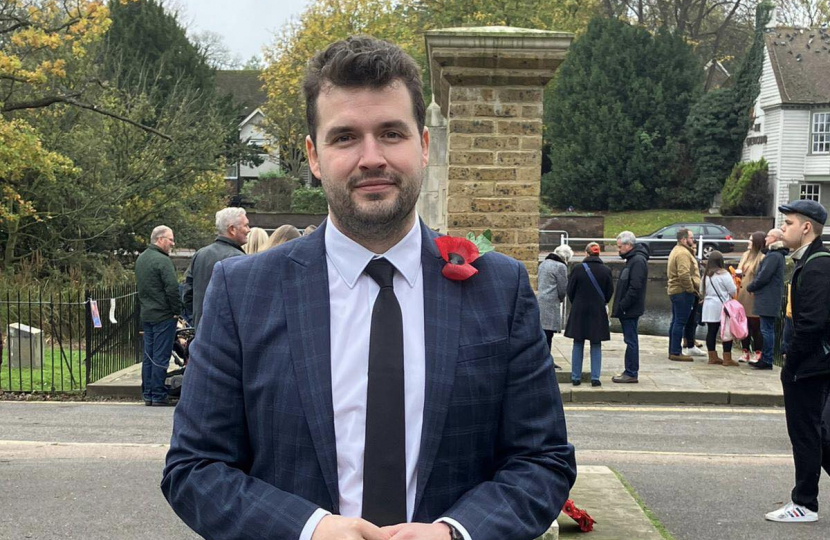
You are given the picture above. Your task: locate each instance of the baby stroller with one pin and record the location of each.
(179, 356)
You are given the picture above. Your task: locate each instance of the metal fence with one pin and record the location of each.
(61, 342)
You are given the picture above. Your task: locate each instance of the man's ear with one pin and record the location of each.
(313, 158)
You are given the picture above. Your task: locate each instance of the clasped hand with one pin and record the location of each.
(343, 528)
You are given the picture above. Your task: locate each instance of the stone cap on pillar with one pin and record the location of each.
(492, 56)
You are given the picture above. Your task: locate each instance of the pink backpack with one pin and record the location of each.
(733, 321)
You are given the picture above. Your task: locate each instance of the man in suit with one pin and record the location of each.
(340, 386)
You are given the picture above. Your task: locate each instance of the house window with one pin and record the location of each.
(258, 143)
(811, 192)
(821, 133)
(232, 171)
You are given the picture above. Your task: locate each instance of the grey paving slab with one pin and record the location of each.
(618, 516)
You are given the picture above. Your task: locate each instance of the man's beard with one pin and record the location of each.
(383, 217)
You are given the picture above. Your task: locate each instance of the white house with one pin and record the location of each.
(791, 117)
(245, 87)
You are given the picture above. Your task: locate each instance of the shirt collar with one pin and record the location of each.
(797, 254)
(350, 258)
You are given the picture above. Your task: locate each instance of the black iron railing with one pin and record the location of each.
(53, 343)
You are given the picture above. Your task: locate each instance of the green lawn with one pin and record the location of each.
(647, 221)
(42, 379)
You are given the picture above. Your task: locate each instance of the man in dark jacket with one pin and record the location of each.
(768, 288)
(806, 373)
(232, 230)
(630, 301)
(158, 295)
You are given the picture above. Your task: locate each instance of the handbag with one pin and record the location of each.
(733, 323)
(596, 285)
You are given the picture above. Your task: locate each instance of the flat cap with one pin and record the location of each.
(811, 209)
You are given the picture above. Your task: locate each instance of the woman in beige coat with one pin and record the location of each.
(748, 267)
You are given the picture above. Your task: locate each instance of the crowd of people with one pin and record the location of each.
(164, 301)
(589, 289)
(756, 282)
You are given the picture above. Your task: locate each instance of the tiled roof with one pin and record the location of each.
(800, 59)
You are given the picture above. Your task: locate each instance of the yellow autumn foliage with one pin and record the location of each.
(41, 39)
(400, 21)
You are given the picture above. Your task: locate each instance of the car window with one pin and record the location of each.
(695, 229)
(713, 231)
(670, 232)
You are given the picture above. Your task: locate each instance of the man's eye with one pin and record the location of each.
(393, 135)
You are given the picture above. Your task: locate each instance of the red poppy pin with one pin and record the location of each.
(460, 253)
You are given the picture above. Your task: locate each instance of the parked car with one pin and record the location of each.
(715, 237)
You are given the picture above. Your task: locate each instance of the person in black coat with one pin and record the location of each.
(588, 319)
(768, 290)
(806, 373)
(630, 301)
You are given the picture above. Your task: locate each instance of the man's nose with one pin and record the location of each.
(372, 156)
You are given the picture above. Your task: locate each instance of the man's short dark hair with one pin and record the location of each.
(682, 233)
(361, 62)
(818, 228)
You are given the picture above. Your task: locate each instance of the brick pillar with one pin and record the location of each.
(489, 84)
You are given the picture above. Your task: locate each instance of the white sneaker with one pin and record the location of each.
(694, 351)
(792, 513)
(685, 352)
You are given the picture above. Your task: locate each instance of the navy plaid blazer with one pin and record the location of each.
(253, 452)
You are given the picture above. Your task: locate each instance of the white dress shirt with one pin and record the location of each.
(352, 295)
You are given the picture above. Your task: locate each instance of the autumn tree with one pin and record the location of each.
(44, 61)
(98, 150)
(562, 15)
(323, 22)
(401, 21)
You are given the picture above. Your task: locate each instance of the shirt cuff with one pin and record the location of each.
(457, 525)
(312, 523)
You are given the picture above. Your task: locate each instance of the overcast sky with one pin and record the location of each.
(246, 25)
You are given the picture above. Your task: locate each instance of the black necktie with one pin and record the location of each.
(384, 459)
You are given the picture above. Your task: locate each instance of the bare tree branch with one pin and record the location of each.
(70, 99)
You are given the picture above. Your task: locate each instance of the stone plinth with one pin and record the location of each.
(489, 83)
(432, 203)
(24, 346)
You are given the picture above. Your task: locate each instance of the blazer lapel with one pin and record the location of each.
(442, 311)
(306, 292)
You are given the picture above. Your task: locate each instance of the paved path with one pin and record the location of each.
(663, 381)
(81, 471)
(92, 470)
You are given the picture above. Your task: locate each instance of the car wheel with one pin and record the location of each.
(707, 250)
